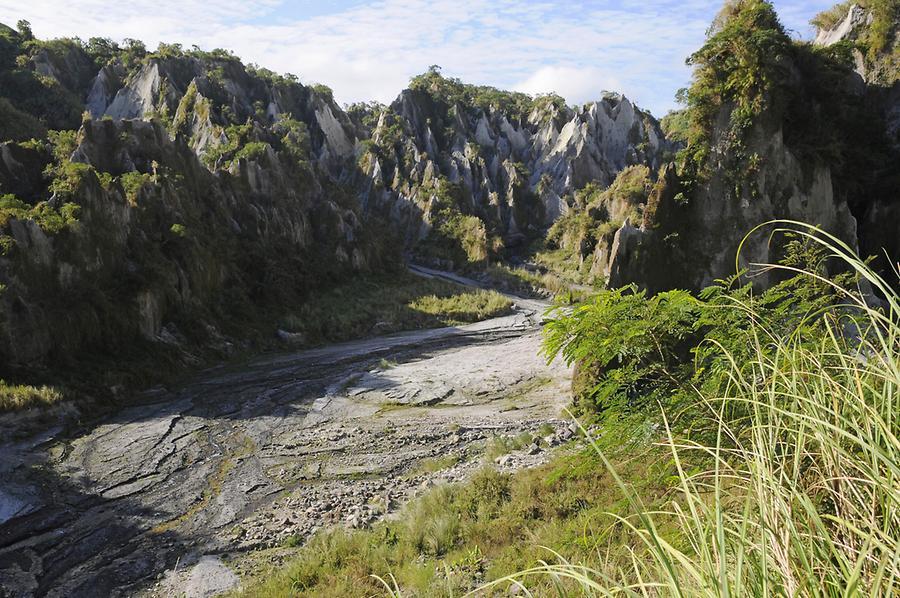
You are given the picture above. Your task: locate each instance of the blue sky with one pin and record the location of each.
(368, 50)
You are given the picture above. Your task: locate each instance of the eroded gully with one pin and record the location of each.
(154, 498)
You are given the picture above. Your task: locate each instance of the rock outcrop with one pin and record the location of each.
(877, 62)
(162, 244)
(517, 168)
(691, 229)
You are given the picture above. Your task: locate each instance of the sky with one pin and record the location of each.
(368, 50)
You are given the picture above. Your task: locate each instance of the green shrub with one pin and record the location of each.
(645, 351)
(465, 307)
(798, 497)
(252, 151)
(48, 218)
(132, 184)
(17, 397)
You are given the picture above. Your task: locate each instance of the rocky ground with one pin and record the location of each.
(155, 499)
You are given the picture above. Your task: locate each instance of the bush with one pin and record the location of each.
(644, 351)
(17, 397)
(801, 433)
(49, 219)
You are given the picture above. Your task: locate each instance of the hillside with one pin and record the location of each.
(473, 342)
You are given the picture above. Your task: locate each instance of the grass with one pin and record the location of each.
(800, 495)
(381, 305)
(14, 397)
(463, 308)
(525, 282)
(457, 537)
(504, 445)
(786, 484)
(435, 464)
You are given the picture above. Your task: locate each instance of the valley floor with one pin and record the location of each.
(154, 498)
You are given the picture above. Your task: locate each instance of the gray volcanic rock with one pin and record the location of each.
(517, 171)
(162, 240)
(847, 28)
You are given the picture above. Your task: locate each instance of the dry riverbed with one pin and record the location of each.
(168, 497)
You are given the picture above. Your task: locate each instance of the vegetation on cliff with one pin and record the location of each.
(751, 73)
(876, 38)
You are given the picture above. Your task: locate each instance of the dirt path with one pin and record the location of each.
(153, 498)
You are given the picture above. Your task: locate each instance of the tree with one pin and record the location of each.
(24, 28)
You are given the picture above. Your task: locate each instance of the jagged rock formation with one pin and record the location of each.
(778, 170)
(201, 194)
(196, 187)
(517, 169)
(160, 239)
(873, 34)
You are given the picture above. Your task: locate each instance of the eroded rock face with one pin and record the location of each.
(879, 231)
(692, 241)
(856, 18)
(519, 172)
(173, 241)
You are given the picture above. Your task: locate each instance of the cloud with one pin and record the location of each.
(577, 84)
(369, 50)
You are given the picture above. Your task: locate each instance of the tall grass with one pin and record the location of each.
(14, 397)
(802, 495)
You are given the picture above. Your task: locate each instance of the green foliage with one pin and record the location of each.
(453, 93)
(294, 137)
(676, 125)
(380, 305)
(50, 219)
(324, 92)
(67, 178)
(638, 351)
(365, 113)
(741, 66)
(635, 344)
(253, 150)
(132, 184)
(459, 309)
(15, 397)
(223, 154)
(62, 143)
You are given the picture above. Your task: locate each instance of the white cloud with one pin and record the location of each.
(370, 51)
(576, 84)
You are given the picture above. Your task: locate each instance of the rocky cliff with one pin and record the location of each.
(516, 161)
(195, 189)
(193, 196)
(871, 32)
(160, 196)
(812, 139)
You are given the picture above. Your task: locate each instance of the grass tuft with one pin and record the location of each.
(14, 397)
